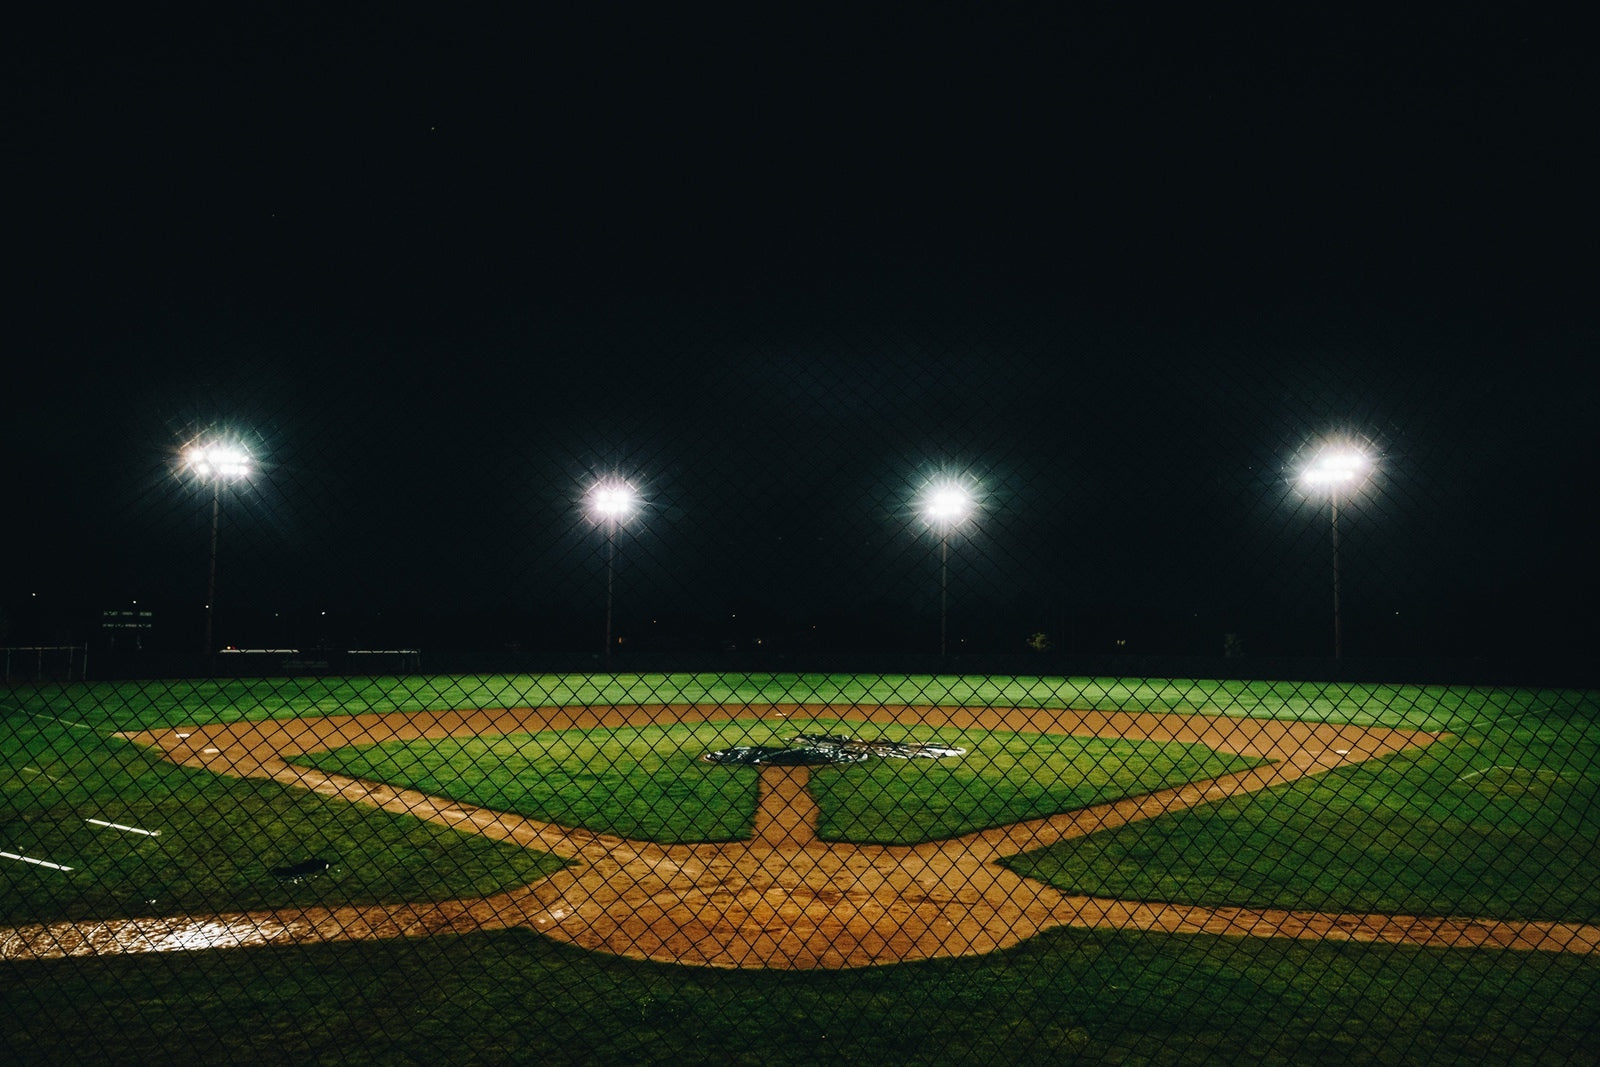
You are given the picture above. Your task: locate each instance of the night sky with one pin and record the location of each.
(1123, 265)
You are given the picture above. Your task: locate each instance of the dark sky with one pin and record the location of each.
(1122, 262)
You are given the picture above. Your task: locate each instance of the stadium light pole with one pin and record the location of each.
(611, 502)
(946, 504)
(216, 462)
(1336, 470)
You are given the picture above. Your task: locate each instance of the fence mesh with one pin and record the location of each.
(845, 726)
(792, 623)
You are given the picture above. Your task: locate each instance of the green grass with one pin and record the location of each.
(649, 782)
(643, 782)
(218, 838)
(1004, 778)
(1501, 820)
(1064, 997)
(134, 706)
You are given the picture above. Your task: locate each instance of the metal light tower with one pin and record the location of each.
(611, 501)
(215, 462)
(946, 504)
(1336, 470)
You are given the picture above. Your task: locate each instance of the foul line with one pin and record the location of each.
(30, 859)
(63, 722)
(120, 826)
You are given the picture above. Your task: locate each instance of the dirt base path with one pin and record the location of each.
(784, 898)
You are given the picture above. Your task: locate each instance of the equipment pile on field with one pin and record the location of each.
(825, 748)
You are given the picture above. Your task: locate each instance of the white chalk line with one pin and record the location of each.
(63, 722)
(1537, 772)
(61, 940)
(30, 859)
(126, 829)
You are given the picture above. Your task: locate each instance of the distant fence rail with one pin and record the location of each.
(44, 663)
(257, 661)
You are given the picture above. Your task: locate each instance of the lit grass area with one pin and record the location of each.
(211, 841)
(1004, 778)
(1499, 821)
(640, 782)
(109, 706)
(649, 782)
(1066, 996)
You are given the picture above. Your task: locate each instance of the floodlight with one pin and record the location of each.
(1336, 467)
(610, 502)
(945, 504)
(948, 505)
(1336, 470)
(216, 462)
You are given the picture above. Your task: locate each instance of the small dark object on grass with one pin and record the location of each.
(300, 871)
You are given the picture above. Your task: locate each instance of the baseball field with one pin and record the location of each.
(544, 868)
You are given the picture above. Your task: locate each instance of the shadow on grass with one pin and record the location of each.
(1066, 996)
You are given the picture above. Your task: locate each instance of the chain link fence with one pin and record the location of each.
(1043, 535)
(786, 708)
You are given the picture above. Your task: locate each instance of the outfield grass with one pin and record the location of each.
(1500, 820)
(650, 783)
(148, 705)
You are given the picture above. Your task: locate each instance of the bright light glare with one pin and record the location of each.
(1336, 468)
(613, 500)
(947, 503)
(220, 461)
